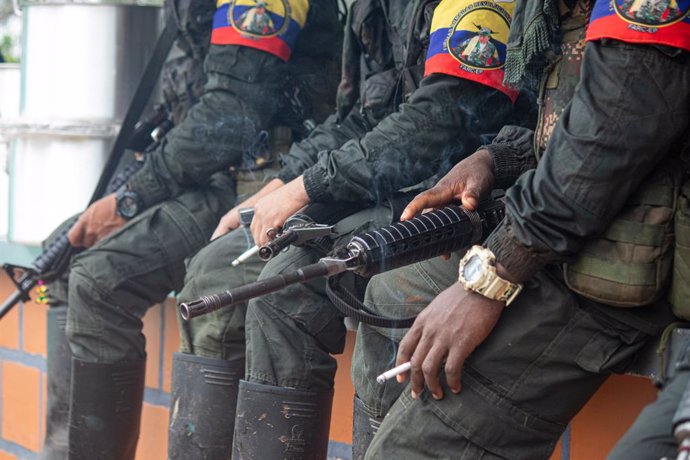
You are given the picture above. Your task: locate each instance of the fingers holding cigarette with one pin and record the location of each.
(392, 373)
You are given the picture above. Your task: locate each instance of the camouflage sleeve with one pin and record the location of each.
(440, 124)
(239, 101)
(593, 165)
(327, 136)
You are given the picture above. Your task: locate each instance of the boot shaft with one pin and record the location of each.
(281, 423)
(105, 410)
(202, 407)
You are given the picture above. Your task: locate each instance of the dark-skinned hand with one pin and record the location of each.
(272, 210)
(448, 330)
(467, 182)
(98, 221)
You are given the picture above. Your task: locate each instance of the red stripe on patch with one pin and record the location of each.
(271, 45)
(445, 64)
(611, 26)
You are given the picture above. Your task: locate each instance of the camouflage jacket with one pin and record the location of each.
(258, 90)
(392, 130)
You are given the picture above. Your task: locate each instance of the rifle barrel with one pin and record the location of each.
(209, 303)
(10, 302)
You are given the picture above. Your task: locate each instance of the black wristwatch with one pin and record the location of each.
(127, 202)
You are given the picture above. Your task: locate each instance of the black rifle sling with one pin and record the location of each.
(136, 107)
(349, 305)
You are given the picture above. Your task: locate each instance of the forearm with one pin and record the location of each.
(236, 106)
(442, 122)
(329, 135)
(623, 119)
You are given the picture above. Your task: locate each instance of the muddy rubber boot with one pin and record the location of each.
(59, 373)
(202, 407)
(105, 410)
(281, 423)
(365, 424)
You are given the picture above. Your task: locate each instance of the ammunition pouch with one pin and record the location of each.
(630, 264)
(679, 294)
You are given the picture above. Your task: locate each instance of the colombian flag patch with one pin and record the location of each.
(268, 25)
(468, 40)
(658, 22)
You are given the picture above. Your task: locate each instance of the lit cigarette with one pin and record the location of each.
(397, 370)
(245, 255)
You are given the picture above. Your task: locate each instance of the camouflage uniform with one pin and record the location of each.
(182, 82)
(552, 348)
(184, 187)
(291, 334)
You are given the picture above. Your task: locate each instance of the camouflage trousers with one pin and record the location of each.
(111, 285)
(292, 333)
(549, 352)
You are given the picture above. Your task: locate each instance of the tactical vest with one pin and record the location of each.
(630, 265)
(561, 76)
(383, 55)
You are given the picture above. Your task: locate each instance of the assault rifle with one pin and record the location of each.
(426, 236)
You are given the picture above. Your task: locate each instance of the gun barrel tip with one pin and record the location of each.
(184, 311)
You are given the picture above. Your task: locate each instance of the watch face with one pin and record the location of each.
(128, 206)
(473, 269)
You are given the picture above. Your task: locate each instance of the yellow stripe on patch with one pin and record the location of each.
(447, 10)
(299, 8)
(444, 14)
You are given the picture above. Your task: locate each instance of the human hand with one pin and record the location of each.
(271, 211)
(468, 181)
(98, 221)
(449, 330)
(231, 220)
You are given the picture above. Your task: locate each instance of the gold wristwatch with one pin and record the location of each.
(477, 273)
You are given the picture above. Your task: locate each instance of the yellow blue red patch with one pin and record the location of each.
(468, 40)
(269, 25)
(659, 22)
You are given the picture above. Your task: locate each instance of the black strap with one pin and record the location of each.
(136, 107)
(349, 305)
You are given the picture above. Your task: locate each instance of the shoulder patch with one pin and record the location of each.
(468, 40)
(268, 25)
(661, 22)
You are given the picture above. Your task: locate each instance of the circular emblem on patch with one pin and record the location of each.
(653, 13)
(478, 35)
(259, 18)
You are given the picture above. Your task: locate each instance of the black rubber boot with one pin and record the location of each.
(281, 423)
(59, 374)
(202, 407)
(105, 410)
(365, 424)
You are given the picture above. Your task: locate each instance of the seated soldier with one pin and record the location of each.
(182, 81)
(488, 381)
(291, 334)
(138, 238)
